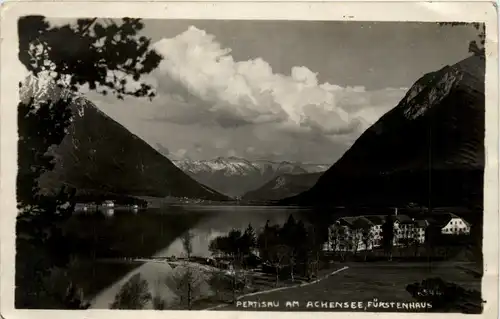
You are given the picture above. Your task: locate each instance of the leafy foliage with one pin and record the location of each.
(187, 281)
(235, 244)
(187, 243)
(248, 240)
(187, 285)
(40, 241)
(40, 126)
(290, 246)
(98, 52)
(474, 47)
(445, 296)
(101, 54)
(134, 294)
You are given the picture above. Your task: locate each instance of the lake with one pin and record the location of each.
(104, 239)
(156, 232)
(125, 233)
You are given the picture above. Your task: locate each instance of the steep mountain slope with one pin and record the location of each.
(236, 176)
(98, 155)
(282, 186)
(429, 149)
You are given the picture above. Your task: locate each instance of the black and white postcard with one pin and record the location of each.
(234, 158)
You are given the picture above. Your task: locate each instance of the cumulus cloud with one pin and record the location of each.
(216, 89)
(198, 148)
(162, 149)
(179, 154)
(210, 105)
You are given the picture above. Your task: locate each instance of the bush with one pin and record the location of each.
(134, 294)
(446, 297)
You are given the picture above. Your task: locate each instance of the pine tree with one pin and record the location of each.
(475, 47)
(388, 235)
(248, 240)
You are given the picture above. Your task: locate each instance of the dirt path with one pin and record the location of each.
(281, 288)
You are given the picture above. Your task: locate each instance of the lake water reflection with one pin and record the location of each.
(220, 220)
(204, 222)
(156, 233)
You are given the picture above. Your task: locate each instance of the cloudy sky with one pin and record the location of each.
(279, 90)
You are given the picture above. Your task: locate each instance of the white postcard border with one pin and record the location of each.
(12, 73)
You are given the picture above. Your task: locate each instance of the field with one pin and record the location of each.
(365, 282)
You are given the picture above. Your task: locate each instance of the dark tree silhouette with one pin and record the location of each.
(104, 54)
(367, 237)
(446, 296)
(287, 232)
(234, 243)
(187, 244)
(268, 238)
(39, 240)
(74, 298)
(189, 281)
(388, 235)
(301, 252)
(134, 294)
(248, 240)
(476, 47)
(278, 257)
(300, 245)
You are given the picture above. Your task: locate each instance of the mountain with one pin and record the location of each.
(429, 149)
(236, 176)
(100, 156)
(282, 186)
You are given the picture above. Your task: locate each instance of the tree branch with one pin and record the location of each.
(84, 31)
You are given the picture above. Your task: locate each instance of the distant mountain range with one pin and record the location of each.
(281, 187)
(100, 156)
(428, 150)
(236, 176)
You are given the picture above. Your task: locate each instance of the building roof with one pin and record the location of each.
(403, 219)
(375, 219)
(362, 223)
(422, 223)
(441, 220)
(355, 222)
(346, 221)
(466, 222)
(437, 220)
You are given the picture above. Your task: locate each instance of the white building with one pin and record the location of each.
(455, 226)
(420, 227)
(354, 232)
(376, 229)
(351, 234)
(365, 232)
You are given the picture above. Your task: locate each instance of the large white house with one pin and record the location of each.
(455, 226)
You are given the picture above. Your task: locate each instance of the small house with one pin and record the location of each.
(454, 225)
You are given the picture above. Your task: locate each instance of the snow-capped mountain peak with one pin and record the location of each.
(43, 88)
(236, 176)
